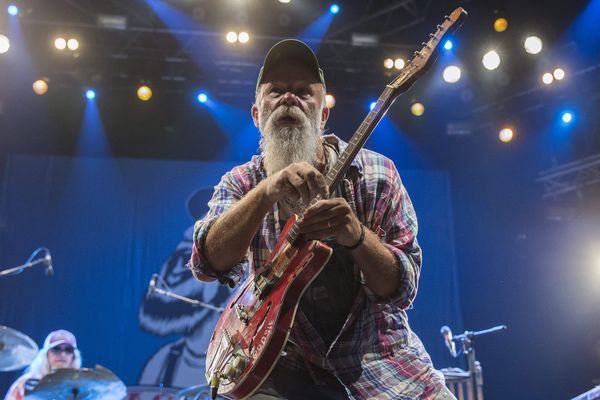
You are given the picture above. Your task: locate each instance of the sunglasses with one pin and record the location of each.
(63, 349)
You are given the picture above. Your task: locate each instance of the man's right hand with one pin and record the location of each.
(297, 181)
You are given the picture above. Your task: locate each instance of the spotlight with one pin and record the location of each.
(144, 93)
(60, 43)
(448, 45)
(506, 135)
(388, 63)
(73, 44)
(202, 97)
(243, 37)
(451, 74)
(12, 10)
(90, 94)
(491, 60)
(547, 78)
(417, 109)
(372, 105)
(566, 117)
(329, 101)
(4, 44)
(334, 9)
(500, 24)
(231, 37)
(284, 1)
(40, 87)
(399, 63)
(533, 45)
(558, 74)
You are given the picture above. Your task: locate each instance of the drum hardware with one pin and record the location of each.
(474, 375)
(79, 384)
(153, 288)
(17, 350)
(32, 262)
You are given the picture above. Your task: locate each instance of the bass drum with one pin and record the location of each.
(151, 393)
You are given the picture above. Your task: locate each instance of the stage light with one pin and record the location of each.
(388, 63)
(4, 44)
(231, 37)
(547, 78)
(334, 9)
(40, 87)
(448, 45)
(451, 74)
(12, 10)
(399, 63)
(329, 101)
(506, 135)
(90, 94)
(60, 43)
(73, 44)
(144, 93)
(417, 109)
(558, 74)
(533, 45)
(284, 1)
(243, 37)
(202, 97)
(491, 60)
(372, 105)
(566, 117)
(500, 24)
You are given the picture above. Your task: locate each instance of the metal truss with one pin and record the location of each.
(571, 177)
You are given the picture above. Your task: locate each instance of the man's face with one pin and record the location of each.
(61, 356)
(290, 114)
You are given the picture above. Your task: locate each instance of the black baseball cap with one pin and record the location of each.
(290, 50)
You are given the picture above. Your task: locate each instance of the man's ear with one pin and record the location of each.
(324, 117)
(254, 112)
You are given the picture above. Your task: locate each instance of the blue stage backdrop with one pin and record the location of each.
(112, 223)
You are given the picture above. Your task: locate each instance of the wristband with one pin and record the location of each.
(360, 239)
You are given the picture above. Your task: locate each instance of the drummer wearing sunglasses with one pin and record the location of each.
(59, 351)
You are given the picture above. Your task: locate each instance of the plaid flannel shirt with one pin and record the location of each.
(376, 354)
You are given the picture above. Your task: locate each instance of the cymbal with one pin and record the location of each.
(81, 384)
(17, 350)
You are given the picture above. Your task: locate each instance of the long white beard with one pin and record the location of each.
(284, 145)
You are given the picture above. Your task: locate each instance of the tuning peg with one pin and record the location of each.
(423, 44)
(417, 54)
(446, 17)
(431, 35)
(438, 26)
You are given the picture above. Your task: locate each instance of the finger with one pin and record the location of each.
(323, 206)
(316, 183)
(299, 185)
(331, 219)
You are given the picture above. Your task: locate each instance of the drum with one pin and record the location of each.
(151, 393)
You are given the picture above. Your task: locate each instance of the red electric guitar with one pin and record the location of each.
(255, 325)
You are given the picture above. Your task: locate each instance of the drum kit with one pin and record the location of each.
(17, 350)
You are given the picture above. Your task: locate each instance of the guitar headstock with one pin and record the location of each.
(425, 57)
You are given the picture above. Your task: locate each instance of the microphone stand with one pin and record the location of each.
(21, 268)
(466, 339)
(185, 299)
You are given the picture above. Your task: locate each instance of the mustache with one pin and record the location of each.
(289, 112)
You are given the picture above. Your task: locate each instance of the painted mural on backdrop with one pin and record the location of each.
(181, 363)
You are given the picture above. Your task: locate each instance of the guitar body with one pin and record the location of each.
(255, 324)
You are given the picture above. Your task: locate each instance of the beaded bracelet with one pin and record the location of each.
(360, 239)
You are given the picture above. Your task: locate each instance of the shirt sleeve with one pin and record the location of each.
(396, 224)
(226, 194)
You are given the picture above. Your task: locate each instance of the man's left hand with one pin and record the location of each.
(331, 217)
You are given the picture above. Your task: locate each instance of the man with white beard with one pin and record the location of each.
(351, 338)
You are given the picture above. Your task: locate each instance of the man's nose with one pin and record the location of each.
(289, 99)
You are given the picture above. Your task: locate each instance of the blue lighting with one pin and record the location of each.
(13, 10)
(566, 117)
(202, 97)
(448, 45)
(90, 94)
(334, 9)
(372, 105)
